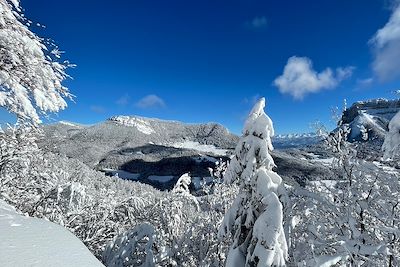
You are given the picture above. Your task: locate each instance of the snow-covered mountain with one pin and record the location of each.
(147, 149)
(157, 151)
(374, 115)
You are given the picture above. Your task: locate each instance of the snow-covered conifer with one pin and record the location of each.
(348, 221)
(131, 248)
(182, 185)
(255, 219)
(30, 74)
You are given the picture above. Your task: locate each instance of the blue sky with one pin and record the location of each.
(200, 61)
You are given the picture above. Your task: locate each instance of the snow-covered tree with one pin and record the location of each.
(255, 219)
(350, 221)
(30, 74)
(131, 248)
(182, 185)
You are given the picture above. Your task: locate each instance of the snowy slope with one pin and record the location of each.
(373, 115)
(27, 241)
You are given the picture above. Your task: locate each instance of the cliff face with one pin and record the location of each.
(374, 115)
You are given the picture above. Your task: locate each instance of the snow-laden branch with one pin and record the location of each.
(30, 74)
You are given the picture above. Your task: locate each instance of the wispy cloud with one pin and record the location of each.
(123, 100)
(299, 78)
(97, 109)
(257, 23)
(150, 101)
(386, 46)
(365, 82)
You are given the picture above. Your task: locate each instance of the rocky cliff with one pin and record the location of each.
(374, 115)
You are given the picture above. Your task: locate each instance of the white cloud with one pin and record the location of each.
(123, 100)
(386, 44)
(150, 101)
(344, 73)
(257, 23)
(299, 78)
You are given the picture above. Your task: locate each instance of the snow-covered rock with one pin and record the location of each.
(27, 241)
(373, 115)
(391, 145)
(142, 125)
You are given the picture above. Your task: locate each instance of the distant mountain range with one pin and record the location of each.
(155, 151)
(296, 140)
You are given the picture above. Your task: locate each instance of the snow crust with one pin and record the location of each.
(27, 241)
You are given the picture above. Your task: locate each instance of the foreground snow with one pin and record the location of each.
(27, 241)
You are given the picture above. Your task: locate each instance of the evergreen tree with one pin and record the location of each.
(255, 219)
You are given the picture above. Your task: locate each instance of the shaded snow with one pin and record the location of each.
(204, 158)
(326, 161)
(122, 174)
(198, 181)
(385, 168)
(27, 241)
(324, 183)
(161, 179)
(319, 159)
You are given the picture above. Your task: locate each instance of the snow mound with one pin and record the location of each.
(27, 241)
(140, 124)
